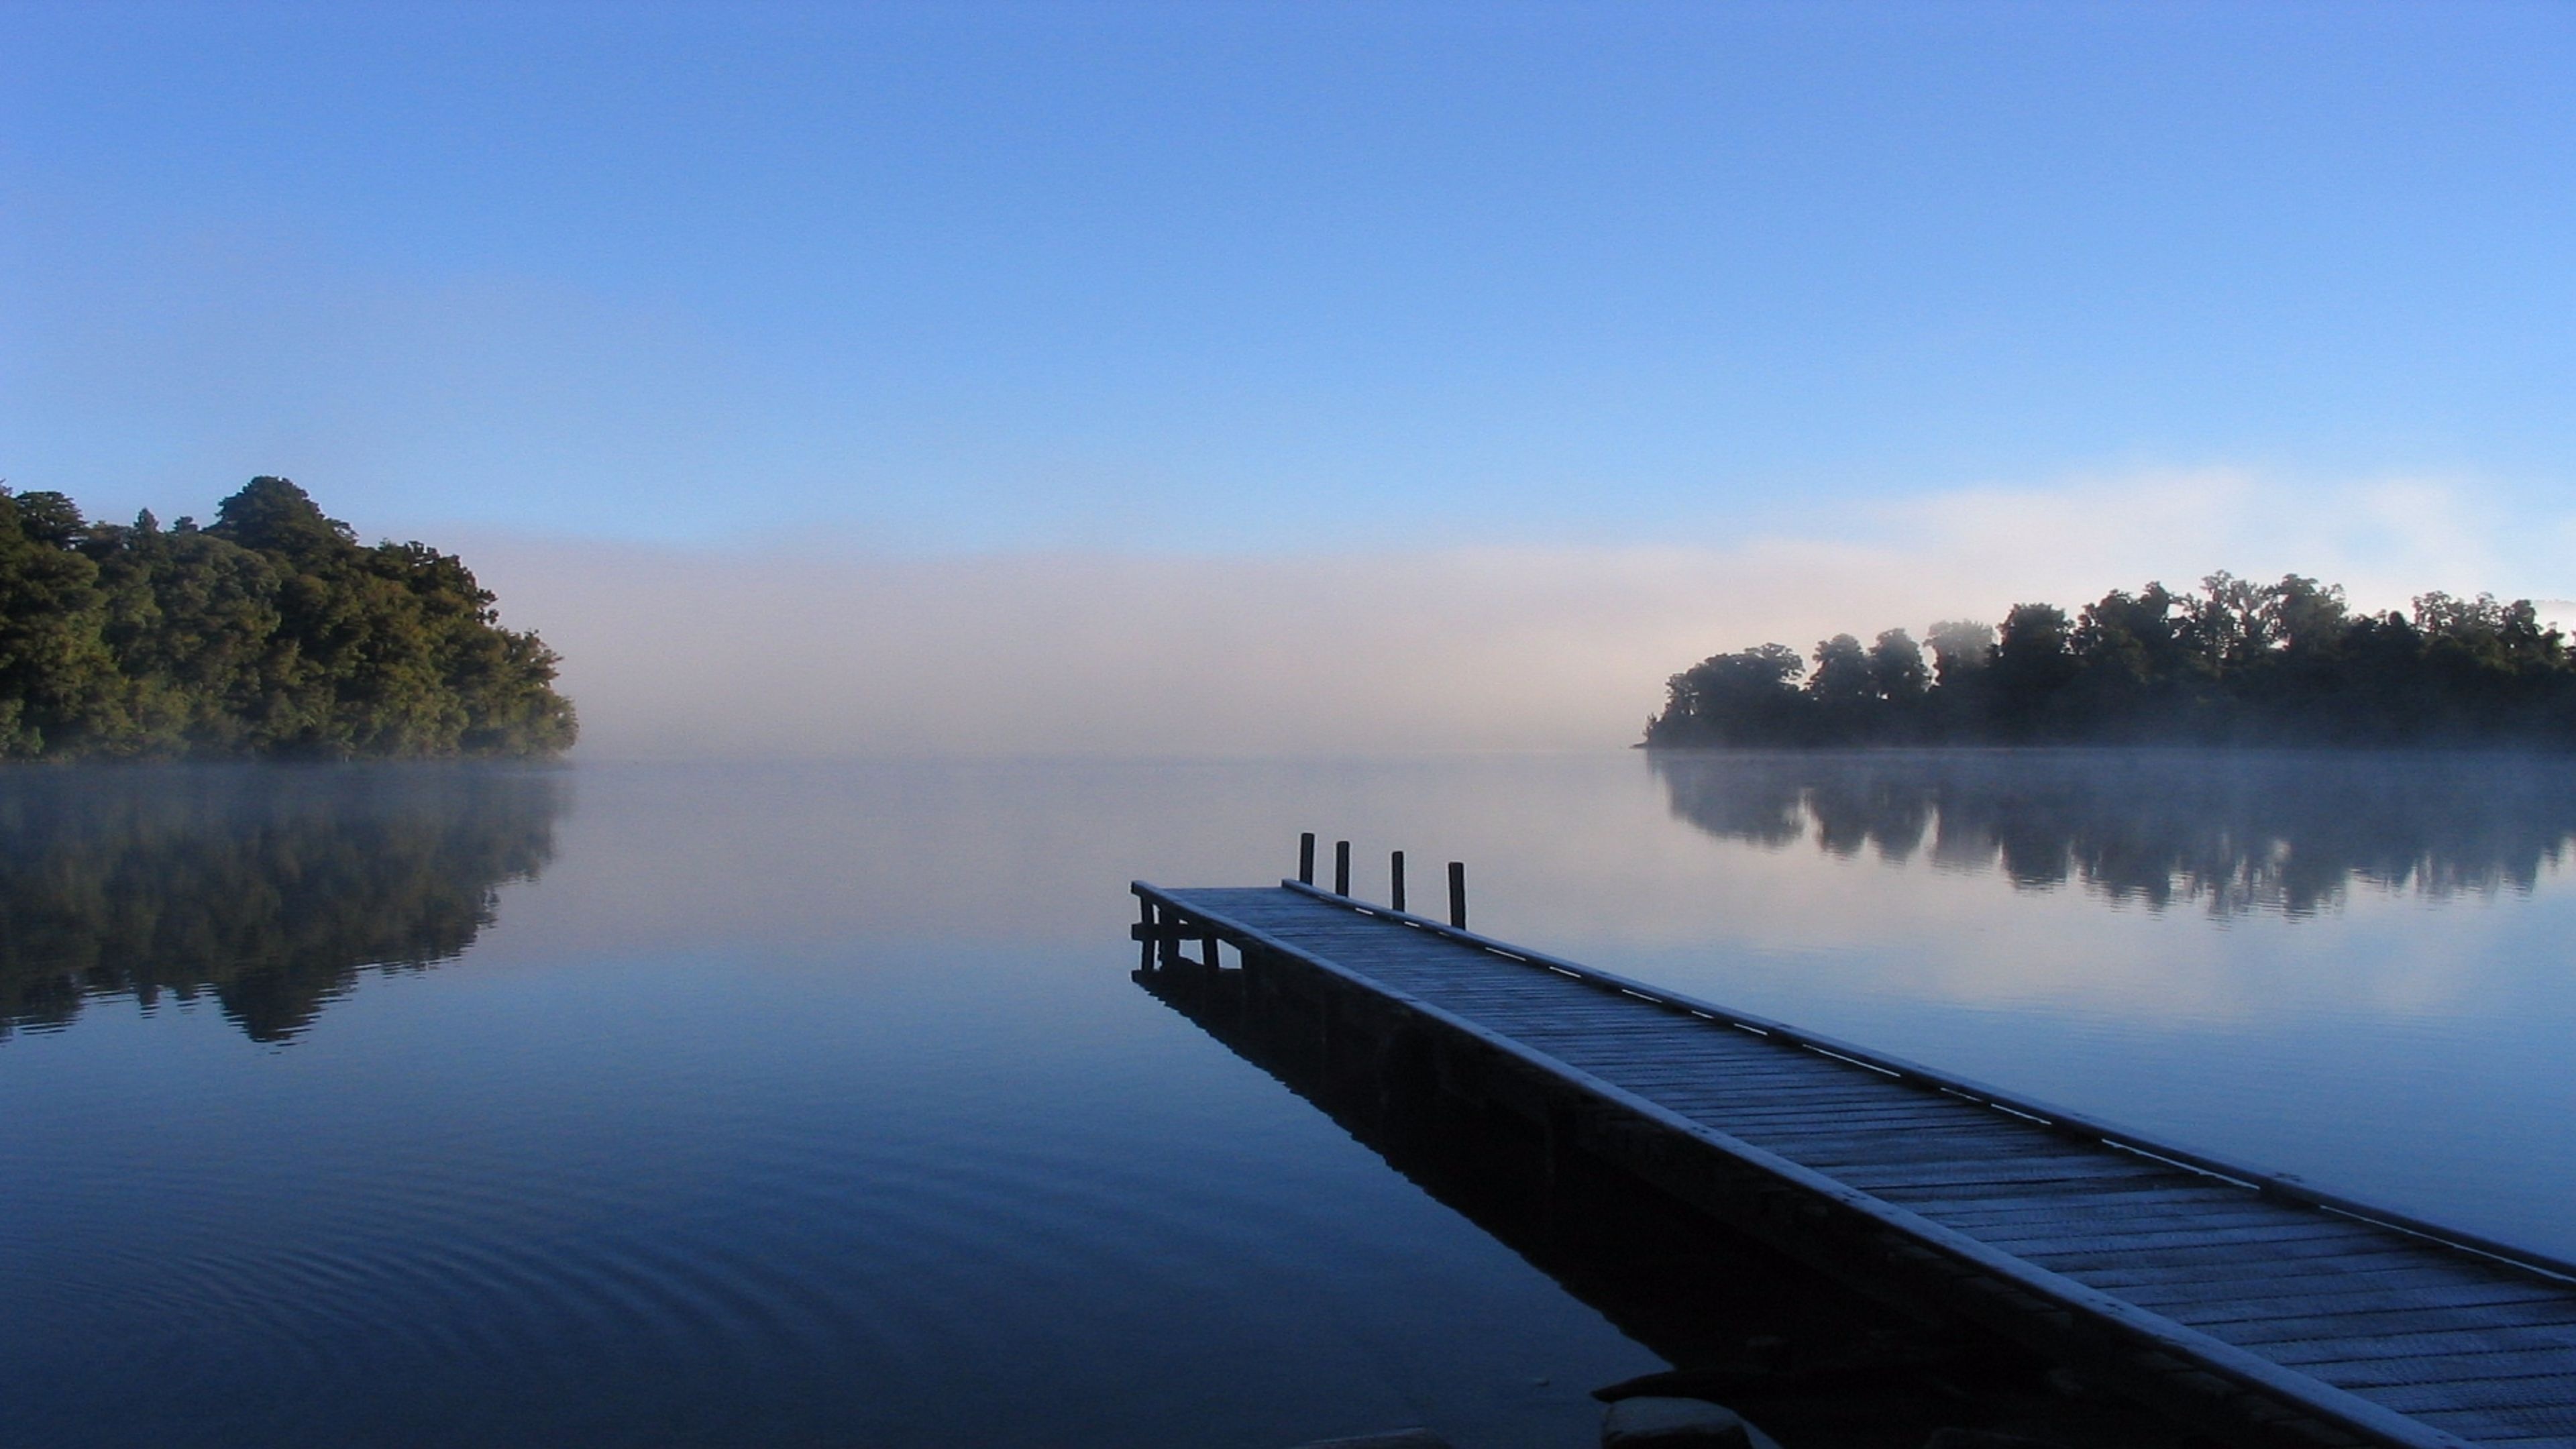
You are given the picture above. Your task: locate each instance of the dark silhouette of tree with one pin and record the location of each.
(272, 633)
(1896, 671)
(2234, 662)
(1840, 693)
(2033, 664)
(1960, 647)
(1842, 673)
(1747, 697)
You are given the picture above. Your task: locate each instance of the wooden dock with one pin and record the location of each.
(2248, 1306)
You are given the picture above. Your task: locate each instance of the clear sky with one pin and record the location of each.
(1232, 275)
(1265, 280)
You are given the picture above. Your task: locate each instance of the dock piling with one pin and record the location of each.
(1395, 880)
(1458, 895)
(1306, 858)
(1341, 867)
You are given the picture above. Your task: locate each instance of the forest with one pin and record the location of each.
(2234, 662)
(270, 633)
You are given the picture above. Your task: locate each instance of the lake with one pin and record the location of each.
(814, 1104)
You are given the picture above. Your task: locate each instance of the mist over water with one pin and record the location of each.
(785, 1103)
(1419, 646)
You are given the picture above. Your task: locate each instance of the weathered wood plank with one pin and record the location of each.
(2149, 1179)
(2126, 1204)
(2072, 1166)
(2338, 1252)
(1856, 1103)
(2501, 1321)
(2239, 1297)
(1828, 1145)
(1997, 1225)
(2460, 1342)
(2489, 1428)
(2388, 1273)
(2270, 1241)
(2545, 1391)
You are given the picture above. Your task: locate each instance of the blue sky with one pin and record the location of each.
(1210, 278)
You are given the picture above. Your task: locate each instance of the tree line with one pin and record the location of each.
(270, 633)
(2234, 662)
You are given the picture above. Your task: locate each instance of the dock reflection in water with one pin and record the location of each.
(269, 889)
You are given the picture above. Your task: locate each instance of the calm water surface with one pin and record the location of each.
(813, 1104)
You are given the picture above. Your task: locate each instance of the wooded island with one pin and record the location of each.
(2234, 662)
(270, 633)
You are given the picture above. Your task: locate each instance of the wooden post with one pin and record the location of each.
(1341, 867)
(1395, 880)
(1458, 894)
(1306, 858)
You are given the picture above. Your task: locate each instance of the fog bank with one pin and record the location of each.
(802, 650)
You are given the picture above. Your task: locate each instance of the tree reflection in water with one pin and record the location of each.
(268, 887)
(2236, 832)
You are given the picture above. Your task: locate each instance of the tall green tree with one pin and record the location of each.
(59, 686)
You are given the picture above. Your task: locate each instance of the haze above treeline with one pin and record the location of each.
(2232, 662)
(271, 633)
